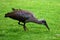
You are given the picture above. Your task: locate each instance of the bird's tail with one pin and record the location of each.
(13, 8)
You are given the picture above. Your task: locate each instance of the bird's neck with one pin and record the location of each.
(37, 21)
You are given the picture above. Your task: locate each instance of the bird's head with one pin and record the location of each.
(43, 22)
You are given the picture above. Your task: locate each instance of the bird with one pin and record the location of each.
(25, 16)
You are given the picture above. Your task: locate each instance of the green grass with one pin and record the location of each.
(46, 9)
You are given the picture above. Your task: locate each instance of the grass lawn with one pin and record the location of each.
(42, 9)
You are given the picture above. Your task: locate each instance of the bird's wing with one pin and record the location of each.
(23, 15)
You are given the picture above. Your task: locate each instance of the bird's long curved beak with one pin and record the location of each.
(46, 26)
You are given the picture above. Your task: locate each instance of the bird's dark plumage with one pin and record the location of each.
(25, 17)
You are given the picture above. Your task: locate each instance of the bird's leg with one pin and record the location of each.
(20, 24)
(24, 26)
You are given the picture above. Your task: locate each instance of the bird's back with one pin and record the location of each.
(20, 15)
